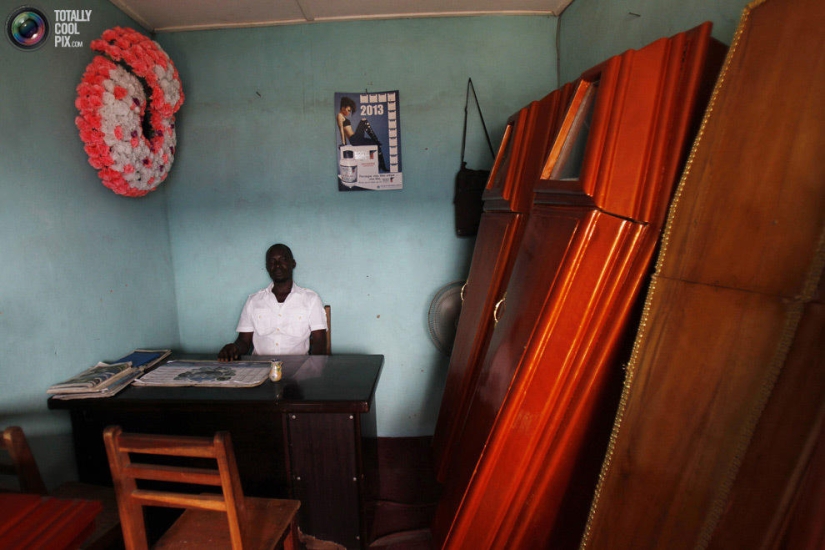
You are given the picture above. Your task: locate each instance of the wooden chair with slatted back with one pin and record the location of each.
(22, 463)
(226, 519)
(24, 466)
(328, 311)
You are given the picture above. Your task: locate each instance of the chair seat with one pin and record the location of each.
(196, 529)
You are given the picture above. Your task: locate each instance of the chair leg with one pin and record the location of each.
(291, 539)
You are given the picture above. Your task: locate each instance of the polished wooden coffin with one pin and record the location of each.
(530, 405)
(719, 438)
(527, 140)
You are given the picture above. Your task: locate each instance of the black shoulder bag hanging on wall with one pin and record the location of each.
(470, 184)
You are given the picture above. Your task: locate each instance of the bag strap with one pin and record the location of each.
(464, 135)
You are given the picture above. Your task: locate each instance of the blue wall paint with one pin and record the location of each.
(595, 30)
(257, 165)
(86, 275)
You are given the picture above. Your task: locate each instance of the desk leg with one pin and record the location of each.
(90, 453)
(326, 475)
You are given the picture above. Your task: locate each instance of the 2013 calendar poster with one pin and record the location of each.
(368, 141)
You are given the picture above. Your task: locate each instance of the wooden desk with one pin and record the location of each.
(34, 521)
(298, 438)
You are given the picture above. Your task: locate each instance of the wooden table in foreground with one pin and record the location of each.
(298, 438)
(34, 521)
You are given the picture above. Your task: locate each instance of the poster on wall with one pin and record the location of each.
(368, 141)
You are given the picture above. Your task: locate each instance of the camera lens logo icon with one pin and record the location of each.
(27, 28)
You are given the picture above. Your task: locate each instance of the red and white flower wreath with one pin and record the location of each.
(130, 138)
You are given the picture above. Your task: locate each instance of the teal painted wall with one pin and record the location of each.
(595, 30)
(85, 275)
(257, 165)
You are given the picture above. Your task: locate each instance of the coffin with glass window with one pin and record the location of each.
(574, 211)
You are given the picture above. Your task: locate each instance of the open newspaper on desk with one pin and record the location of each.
(210, 374)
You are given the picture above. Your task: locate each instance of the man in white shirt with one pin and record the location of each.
(281, 319)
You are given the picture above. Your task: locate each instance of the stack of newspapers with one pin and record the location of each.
(107, 379)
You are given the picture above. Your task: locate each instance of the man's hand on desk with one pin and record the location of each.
(229, 353)
(233, 351)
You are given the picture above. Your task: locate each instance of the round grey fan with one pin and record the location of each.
(442, 318)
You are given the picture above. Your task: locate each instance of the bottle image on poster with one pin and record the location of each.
(368, 141)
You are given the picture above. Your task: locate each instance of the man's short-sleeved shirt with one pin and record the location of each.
(282, 328)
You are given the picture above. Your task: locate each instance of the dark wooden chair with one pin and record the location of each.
(225, 519)
(24, 467)
(21, 461)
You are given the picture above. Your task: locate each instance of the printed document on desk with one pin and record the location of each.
(211, 374)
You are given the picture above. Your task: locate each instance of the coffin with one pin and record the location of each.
(575, 206)
(718, 442)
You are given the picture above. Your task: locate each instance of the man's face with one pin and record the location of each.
(279, 264)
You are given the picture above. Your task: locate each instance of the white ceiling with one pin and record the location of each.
(182, 15)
